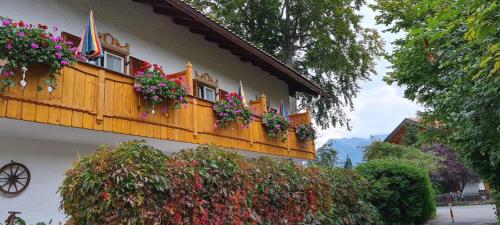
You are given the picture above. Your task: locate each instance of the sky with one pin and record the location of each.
(379, 107)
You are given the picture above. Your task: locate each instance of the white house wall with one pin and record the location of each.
(152, 37)
(47, 162)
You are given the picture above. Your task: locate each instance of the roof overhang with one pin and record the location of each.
(185, 15)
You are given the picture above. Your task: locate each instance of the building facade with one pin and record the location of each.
(95, 102)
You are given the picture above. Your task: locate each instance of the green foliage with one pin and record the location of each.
(449, 61)
(116, 186)
(24, 45)
(276, 125)
(209, 185)
(402, 193)
(406, 154)
(326, 156)
(322, 39)
(231, 109)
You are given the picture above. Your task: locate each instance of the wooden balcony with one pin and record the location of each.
(94, 98)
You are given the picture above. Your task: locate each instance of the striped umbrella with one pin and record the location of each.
(90, 45)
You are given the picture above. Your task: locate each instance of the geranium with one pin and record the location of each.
(156, 89)
(276, 125)
(230, 109)
(24, 45)
(305, 132)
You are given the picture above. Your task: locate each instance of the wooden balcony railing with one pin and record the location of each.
(94, 98)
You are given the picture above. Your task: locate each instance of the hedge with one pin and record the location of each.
(135, 184)
(402, 193)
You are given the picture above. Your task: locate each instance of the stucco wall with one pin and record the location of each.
(154, 38)
(47, 162)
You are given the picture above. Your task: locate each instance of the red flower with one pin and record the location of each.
(42, 26)
(42, 35)
(44, 44)
(14, 24)
(21, 23)
(105, 196)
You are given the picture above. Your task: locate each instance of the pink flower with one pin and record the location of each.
(9, 46)
(6, 22)
(54, 39)
(58, 55)
(64, 63)
(58, 47)
(8, 73)
(21, 34)
(70, 43)
(74, 49)
(34, 46)
(162, 85)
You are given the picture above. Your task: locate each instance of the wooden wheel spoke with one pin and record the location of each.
(10, 180)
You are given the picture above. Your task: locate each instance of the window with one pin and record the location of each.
(205, 92)
(113, 62)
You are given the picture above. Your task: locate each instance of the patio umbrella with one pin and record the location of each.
(89, 45)
(283, 110)
(242, 94)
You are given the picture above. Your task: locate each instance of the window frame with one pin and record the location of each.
(105, 58)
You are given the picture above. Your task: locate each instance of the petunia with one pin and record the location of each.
(6, 22)
(21, 34)
(58, 55)
(9, 46)
(34, 46)
(58, 47)
(64, 62)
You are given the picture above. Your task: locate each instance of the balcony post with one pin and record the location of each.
(263, 102)
(100, 96)
(189, 78)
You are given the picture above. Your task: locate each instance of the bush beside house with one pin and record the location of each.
(136, 183)
(402, 192)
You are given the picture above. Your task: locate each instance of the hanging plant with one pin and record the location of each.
(23, 45)
(156, 89)
(276, 125)
(231, 109)
(305, 132)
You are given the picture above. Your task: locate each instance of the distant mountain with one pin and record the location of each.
(353, 146)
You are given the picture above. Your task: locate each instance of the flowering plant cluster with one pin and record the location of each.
(154, 86)
(305, 132)
(135, 184)
(230, 109)
(23, 45)
(276, 125)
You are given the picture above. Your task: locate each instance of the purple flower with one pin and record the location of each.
(9, 46)
(21, 34)
(8, 73)
(58, 47)
(181, 98)
(34, 46)
(6, 22)
(74, 49)
(162, 85)
(64, 62)
(70, 43)
(54, 39)
(58, 55)
(153, 87)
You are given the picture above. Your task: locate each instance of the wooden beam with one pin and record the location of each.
(154, 2)
(171, 12)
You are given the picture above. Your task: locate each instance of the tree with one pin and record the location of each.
(322, 39)
(406, 154)
(451, 171)
(449, 61)
(348, 163)
(326, 156)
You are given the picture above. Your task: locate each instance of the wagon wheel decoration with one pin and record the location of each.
(14, 178)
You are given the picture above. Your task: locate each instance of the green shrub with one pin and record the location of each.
(402, 192)
(209, 185)
(114, 186)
